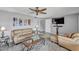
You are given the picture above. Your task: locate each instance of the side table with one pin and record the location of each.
(4, 41)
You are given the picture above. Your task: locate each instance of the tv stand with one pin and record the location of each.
(57, 31)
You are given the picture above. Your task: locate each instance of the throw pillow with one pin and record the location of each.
(69, 35)
(76, 40)
(75, 35)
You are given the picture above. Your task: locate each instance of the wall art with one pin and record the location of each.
(20, 22)
(25, 22)
(15, 21)
(29, 21)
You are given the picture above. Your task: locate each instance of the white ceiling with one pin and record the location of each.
(51, 11)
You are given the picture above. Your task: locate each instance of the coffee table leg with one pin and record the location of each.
(44, 41)
(29, 48)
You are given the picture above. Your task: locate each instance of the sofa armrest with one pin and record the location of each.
(53, 38)
(68, 43)
(65, 39)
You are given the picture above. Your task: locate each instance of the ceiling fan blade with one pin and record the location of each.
(32, 9)
(43, 9)
(43, 12)
(37, 8)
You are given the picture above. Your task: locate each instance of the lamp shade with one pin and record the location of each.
(3, 28)
(34, 29)
(36, 26)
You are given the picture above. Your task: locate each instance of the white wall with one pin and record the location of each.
(70, 25)
(42, 25)
(78, 23)
(48, 25)
(6, 20)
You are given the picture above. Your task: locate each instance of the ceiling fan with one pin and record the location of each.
(37, 10)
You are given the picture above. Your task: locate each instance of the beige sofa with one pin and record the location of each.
(53, 38)
(21, 35)
(70, 42)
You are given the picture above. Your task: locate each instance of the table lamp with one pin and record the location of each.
(36, 29)
(2, 29)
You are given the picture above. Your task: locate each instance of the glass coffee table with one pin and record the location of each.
(35, 39)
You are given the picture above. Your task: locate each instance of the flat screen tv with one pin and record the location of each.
(58, 20)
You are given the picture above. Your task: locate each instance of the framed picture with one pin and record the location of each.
(15, 21)
(29, 21)
(20, 22)
(25, 22)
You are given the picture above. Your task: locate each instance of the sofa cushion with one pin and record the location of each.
(69, 43)
(20, 35)
(75, 35)
(76, 40)
(69, 35)
(53, 38)
(16, 32)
